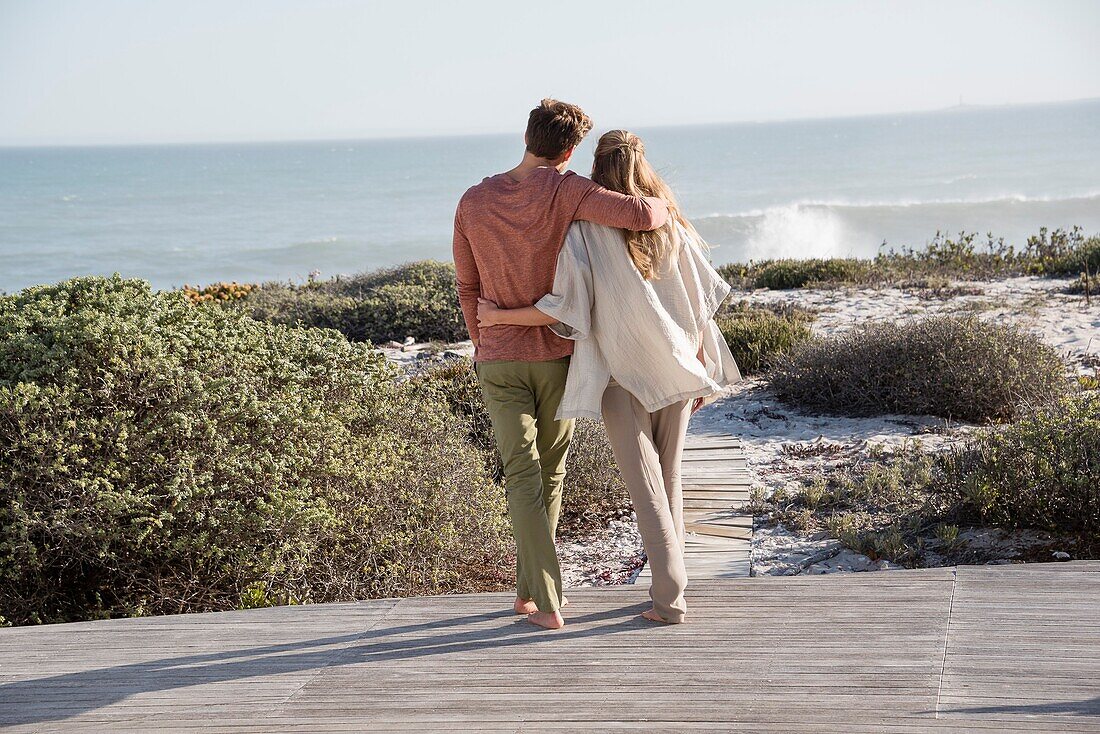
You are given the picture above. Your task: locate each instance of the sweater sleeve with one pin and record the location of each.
(571, 300)
(603, 206)
(467, 276)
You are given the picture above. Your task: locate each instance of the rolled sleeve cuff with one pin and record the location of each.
(552, 306)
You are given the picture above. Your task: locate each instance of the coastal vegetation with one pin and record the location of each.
(1061, 252)
(1024, 485)
(757, 336)
(241, 445)
(956, 367)
(161, 457)
(910, 506)
(415, 300)
(165, 454)
(218, 292)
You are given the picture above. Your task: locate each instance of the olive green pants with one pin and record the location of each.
(522, 398)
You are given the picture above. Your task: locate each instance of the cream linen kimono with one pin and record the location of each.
(644, 334)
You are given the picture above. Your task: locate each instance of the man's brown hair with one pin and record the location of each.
(554, 127)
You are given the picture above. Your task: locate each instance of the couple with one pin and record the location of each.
(588, 298)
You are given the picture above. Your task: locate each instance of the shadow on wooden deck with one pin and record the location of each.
(1012, 648)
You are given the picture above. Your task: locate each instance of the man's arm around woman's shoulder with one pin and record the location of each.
(603, 206)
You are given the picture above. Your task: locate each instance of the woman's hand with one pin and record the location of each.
(702, 357)
(487, 313)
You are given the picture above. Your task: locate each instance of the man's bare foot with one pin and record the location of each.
(652, 616)
(548, 620)
(527, 606)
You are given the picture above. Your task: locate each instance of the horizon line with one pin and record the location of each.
(961, 106)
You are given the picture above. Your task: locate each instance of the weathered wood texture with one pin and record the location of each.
(984, 649)
(716, 485)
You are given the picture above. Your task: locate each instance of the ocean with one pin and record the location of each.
(195, 214)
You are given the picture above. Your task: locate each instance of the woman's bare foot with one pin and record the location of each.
(652, 616)
(548, 620)
(527, 606)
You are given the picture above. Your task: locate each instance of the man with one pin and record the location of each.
(508, 231)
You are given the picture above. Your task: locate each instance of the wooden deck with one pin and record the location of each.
(993, 648)
(716, 486)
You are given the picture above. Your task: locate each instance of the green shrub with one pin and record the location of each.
(955, 367)
(737, 274)
(1062, 252)
(1041, 472)
(161, 458)
(1084, 286)
(1057, 253)
(947, 256)
(757, 336)
(786, 274)
(437, 519)
(418, 299)
(455, 384)
(594, 491)
(220, 292)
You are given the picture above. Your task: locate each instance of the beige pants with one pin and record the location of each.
(648, 448)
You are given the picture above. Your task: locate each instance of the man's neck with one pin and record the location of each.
(531, 163)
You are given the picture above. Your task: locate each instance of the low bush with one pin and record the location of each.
(1041, 472)
(418, 300)
(951, 257)
(787, 274)
(1052, 253)
(455, 384)
(594, 491)
(159, 458)
(218, 292)
(955, 367)
(1085, 285)
(757, 336)
(1062, 252)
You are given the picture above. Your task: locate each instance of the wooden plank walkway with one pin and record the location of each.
(983, 649)
(716, 486)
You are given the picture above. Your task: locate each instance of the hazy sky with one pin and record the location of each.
(115, 71)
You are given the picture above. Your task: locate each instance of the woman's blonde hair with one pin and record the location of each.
(620, 165)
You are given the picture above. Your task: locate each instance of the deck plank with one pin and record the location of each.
(716, 485)
(981, 650)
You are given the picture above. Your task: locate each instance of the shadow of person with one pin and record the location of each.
(1087, 707)
(67, 695)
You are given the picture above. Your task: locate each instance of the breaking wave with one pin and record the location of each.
(859, 229)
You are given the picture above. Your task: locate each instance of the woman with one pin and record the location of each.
(648, 353)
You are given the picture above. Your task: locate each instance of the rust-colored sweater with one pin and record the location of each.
(507, 237)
